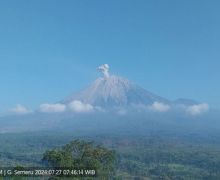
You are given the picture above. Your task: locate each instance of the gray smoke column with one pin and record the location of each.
(104, 69)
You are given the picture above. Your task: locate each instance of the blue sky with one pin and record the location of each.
(51, 48)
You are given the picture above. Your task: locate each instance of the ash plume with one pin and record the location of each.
(104, 69)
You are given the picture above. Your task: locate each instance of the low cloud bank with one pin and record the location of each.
(74, 106)
(197, 109)
(80, 107)
(159, 107)
(52, 108)
(20, 109)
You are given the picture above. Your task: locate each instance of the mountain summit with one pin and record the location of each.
(112, 91)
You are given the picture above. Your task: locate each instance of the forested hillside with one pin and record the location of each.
(164, 156)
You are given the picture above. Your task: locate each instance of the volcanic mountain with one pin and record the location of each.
(117, 97)
(114, 91)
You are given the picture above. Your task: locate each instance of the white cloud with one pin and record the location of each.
(159, 107)
(20, 109)
(197, 109)
(80, 107)
(52, 108)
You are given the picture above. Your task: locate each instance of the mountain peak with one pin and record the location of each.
(112, 91)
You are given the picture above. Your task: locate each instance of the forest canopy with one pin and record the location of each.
(79, 154)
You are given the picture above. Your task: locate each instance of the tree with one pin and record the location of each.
(81, 155)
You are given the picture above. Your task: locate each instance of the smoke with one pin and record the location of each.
(104, 69)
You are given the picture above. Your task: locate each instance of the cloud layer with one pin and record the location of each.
(80, 107)
(74, 106)
(197, 109)
(20, 109)
(159, 107)
(52, 108)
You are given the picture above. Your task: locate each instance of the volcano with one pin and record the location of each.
(112, 91)
(115, 91)
(107, 100)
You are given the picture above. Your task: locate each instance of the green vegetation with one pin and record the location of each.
(148, 157)
(83, 155)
